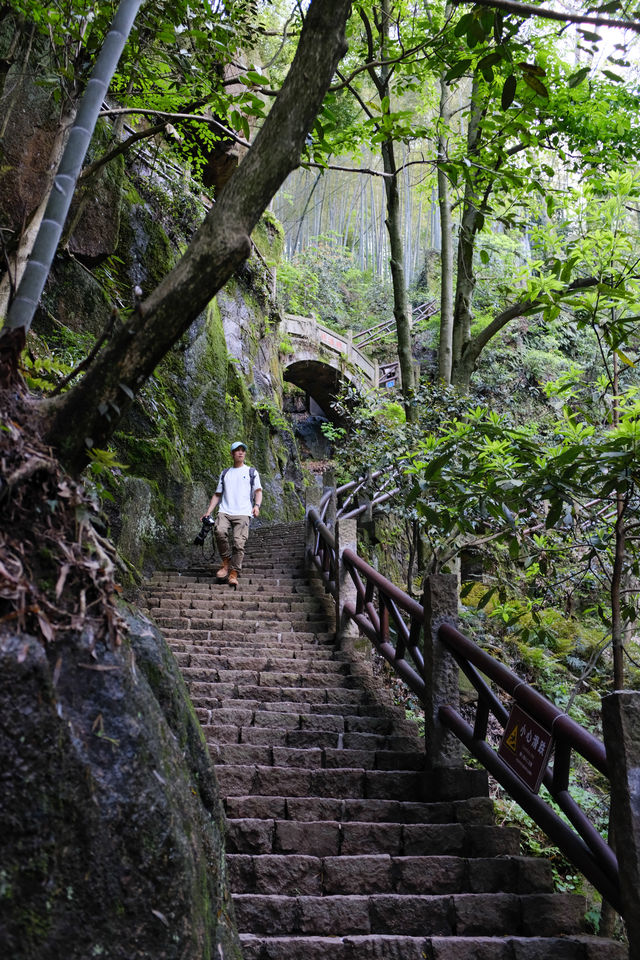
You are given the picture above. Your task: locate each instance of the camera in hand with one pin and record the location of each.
(200, 537)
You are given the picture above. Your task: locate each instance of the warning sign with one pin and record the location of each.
(525, 748)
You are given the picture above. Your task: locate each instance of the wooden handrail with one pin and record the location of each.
(395, 625)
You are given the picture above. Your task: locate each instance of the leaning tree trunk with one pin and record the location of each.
(87, 415)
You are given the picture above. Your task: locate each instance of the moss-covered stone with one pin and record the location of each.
(109, 810)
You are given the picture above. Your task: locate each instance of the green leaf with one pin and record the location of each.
(457, 70)
(536, 85)
(624, 358)
(532, 69)
(576, 78)
(588, 36)
(613, 76)
(463, 25)
(555, 512)
(475, 33)
(486, 597)
(484, 256)
(508, 92)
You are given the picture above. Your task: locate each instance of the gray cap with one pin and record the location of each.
(238, 443)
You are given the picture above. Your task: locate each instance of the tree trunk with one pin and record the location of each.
(401, 308)
(445, 347)
(465, 280)
(87, 415)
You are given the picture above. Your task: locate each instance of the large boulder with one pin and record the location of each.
(111, 825)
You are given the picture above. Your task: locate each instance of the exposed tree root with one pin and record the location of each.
(56, 570)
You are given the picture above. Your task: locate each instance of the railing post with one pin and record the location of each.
(329, 484)
(346, 534)
(621, 728)
(312, 499)
(440, 601)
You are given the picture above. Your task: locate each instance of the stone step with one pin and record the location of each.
(240, 780)
(298, 715)
(459, 915)
(270, 677)
(312, 739)
(380, 873)
(202, 607)
(327, 838)
(236, 624)
(477, 810)
(423, 947)
(313, 758)
(232, 660)
(200, 691)
(247, 649)
(259, 640)
(216, 592)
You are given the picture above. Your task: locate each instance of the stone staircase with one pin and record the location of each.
(337, 847)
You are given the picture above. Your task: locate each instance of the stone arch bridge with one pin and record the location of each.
(323, 362)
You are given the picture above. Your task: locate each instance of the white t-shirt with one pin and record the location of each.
(236, 500)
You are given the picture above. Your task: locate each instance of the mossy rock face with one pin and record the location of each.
(30, 120)
(109, 810)
(76, 299)
(97, 215)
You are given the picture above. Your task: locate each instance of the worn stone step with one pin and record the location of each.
(242, 625)
(220, 645)
(291, 715)
(381, 873)
(238, 779)
(309, 739)
(200, 691)
(477, 810)
(460, 915)
(314, 758)
(423, 947)
(232, 660)
(270, 678)
(327, 838)
(259, 640)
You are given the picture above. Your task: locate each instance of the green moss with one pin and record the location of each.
(268, 237)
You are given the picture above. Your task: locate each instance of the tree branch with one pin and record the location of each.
(529, 10)
(474, 347)
(121, 148)
(198, 117)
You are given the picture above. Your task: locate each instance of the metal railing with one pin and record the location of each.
(395, 625)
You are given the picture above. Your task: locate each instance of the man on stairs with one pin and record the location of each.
(239, 493)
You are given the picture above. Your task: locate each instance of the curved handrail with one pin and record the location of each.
(395, 624)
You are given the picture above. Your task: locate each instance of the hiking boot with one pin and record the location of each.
(223, 572)
(233, 579)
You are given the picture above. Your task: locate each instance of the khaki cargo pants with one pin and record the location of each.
(231, 537)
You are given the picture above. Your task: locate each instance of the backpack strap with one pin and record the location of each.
(222, 476)
(252, 480)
